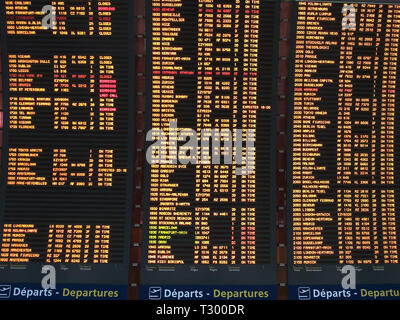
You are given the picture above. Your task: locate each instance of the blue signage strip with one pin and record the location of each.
(225, 293)
(29, 291)
(336, 292)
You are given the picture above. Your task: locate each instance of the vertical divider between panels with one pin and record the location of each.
(281, 222)
(139, 152)
(1, 112)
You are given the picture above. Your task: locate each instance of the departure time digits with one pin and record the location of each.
(344, 158)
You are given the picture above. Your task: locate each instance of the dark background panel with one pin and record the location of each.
(264, 270)
(48, 205)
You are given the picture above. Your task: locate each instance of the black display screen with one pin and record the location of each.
(343, 177)
(67, 143)
(212, 68)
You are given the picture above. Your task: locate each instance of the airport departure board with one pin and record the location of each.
(344, 179)
(211, 67)
(67, 145)
(185, 205)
